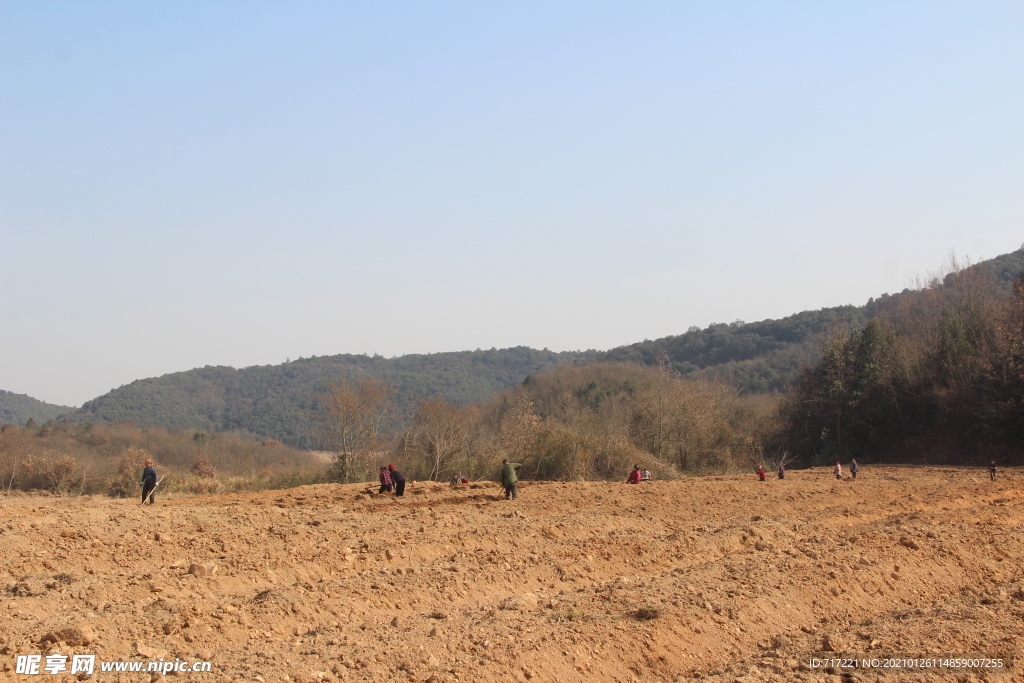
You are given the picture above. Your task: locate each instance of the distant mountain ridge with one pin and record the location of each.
(274, 400)
(20, 408)
(768, 355)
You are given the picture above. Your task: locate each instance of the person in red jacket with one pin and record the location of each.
(385, 480)
(761, 474)
(634, 476)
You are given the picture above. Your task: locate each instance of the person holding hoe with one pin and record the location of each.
(149, 482)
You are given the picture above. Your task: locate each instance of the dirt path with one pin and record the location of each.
(724, 578)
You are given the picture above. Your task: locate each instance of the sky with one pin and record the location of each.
(240, 183)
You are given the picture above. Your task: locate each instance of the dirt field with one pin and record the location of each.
(721, 578)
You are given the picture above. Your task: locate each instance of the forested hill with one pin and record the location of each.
(19, 409)
(274, 400)
(768, 355)
(758, 357)
(1006, 268)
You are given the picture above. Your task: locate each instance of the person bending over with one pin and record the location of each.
(398, 480)
(385, 480)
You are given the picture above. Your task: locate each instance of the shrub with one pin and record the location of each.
(203, 469)
(129, 471)
(60, 473)
(53, 471)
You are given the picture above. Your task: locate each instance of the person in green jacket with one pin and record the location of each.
(509, 479)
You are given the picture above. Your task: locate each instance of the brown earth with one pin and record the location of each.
(723, 578)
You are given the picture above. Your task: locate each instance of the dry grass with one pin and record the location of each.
(84, 459)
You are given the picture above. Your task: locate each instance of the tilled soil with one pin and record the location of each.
(720, 578)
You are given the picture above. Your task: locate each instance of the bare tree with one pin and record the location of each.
(519, 427)
(685, 423)
(351, 420)
(659, 405)
(375, 395)
(440, 430)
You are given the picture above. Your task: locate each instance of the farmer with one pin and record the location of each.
(645, 475)
(149, 480)
(838, 470)
(385, 480)
(509, 479)
(634, 476)
(782, 472)
(761, 474)
(398, 480)
(854, 468)
(992, 470)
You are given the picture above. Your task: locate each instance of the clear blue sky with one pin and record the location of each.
(193, 183)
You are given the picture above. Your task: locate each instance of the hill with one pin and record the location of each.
(1005, 268)
(759, 357)
(19, 409)
(768, 355)
(274, 400)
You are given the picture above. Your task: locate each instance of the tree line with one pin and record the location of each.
(937, 378)
(274, 401)
(574, 422)
(932, 374)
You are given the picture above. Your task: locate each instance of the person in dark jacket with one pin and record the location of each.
(992, 469)
(854, 468)
(782, 472)
(398, 480)
(149, 481)
(385, 480)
